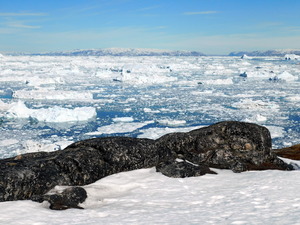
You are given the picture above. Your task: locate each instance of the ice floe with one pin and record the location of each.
(54, 114)
(53, 95)
(120, 127)
(292, 57)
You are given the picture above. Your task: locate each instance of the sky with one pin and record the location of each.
(209, 26)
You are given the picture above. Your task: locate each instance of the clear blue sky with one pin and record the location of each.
(210, 26)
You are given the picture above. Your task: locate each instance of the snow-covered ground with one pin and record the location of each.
(146, 197)
(48, 102)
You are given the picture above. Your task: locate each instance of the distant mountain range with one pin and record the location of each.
(155, 52)
(123, 52)
(280, 53)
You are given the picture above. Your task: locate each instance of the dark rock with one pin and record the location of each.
(81, 163)
(69, 198)
(292, 152)
(226, 145)
(182, 169)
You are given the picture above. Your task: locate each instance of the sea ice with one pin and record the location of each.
(8, 142)
(123, 119)
(172, 123)
(49, 94)
(54, 114)
(154, 132)
(146, 91)
(40, 146)
(120, 127)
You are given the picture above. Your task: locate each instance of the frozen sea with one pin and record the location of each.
(48, 102)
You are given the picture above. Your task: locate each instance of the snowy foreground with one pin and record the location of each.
(146, 197)
(48, 102)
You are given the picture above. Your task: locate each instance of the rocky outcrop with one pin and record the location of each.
(227, 145)
(84, 162)
(292, 152)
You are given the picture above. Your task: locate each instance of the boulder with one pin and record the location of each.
(68, 198)
(227, 145)
(292, 152)
(81, 163)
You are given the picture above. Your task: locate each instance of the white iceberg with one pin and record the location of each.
(245, 57)
(54, 114)
(287, 76)
(120, 127)
(292, 57)
(49, 94)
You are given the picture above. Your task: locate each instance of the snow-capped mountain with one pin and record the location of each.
(124, 52)
(281, 53)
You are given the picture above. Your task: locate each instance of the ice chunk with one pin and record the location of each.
(219, 81)
(54, 114)
(292, 57)
(255, 105)
(38, 81)
(155, 132)
(287, 76)
(123, 119)
(293, 98)
(8, 142)
(4, 106)
(276, 131)
(53, 94)
(172, 123)
(256, 118)
(35, 146)
(148, 110)
(245, 57)
(120, 127)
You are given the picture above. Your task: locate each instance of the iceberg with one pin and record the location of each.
(292, 57)
(54, 114)
(287, 76)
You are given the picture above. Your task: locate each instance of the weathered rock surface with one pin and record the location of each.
(292, 152)
(81, 163)
(226, 145)
(182, 169)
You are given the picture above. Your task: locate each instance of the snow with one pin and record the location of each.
(48, 102)
(147, 197)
